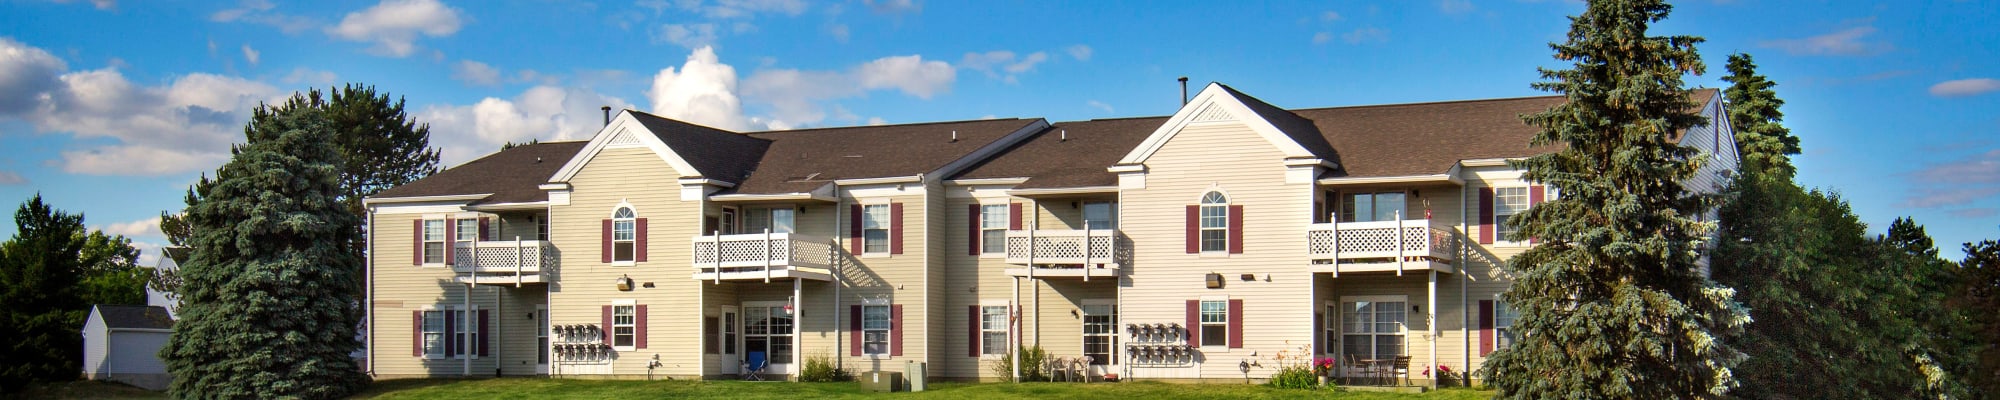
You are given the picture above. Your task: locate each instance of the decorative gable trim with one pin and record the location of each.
(624, 127)
(1213, 114)
(1214, 101)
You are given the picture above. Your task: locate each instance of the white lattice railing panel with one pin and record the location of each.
(1103, 246)
(527, 256)
(1381, 239)
(777, 250)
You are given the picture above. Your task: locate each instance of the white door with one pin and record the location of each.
(767, 330)
(1100, 336)
(731, 340)
(542, 339)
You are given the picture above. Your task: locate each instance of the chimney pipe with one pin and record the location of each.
(1184, 98)
(607, 111)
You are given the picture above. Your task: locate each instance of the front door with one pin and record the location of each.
(768, 331)
(542, 339)
(1372, 329)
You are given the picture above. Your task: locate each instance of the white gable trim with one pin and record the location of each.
(1215, 98)
(988, 151)
(630, 125)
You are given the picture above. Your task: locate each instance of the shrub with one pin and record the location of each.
(1033, 365)
(1294, 377)
(821, 368)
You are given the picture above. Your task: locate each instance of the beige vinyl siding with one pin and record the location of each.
(400, 289)
(936, 271)
(637, 176)
(1485, 275)
(1057, 323)
(901, 278)
(507, 226)
(967, 282)
(1277, 313)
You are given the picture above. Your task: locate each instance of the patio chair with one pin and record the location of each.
(1083, 369)
(1401, 369)
(753, 366)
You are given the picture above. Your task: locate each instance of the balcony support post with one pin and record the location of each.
(767, 259)
(1086, 257)
(1334, 223)
(520, 260)
(718, 257)
(1031, 265)
(1402, 254)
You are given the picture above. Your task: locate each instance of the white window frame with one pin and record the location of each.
(990, 223)
(1222, 321)
(1402, 327)
(756, 220)
(1108, 333)
(468, 328)
(875, 217)
(625, 232)
(1214, 218)
(1504, 316)
(730, 334)
(988, 328)
(728, 223)
(1330, 331)
(631, 323)
(1500, 226)
(771, 310)
(1110, 218)
(869, 330)
(542, 335)
(541, 227)
(1349, 206)
(433, 233)
(433, 350)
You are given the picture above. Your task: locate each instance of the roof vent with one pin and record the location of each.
(954, 136)
(1065, 135)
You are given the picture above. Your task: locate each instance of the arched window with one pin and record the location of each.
(1214, 222)
(623, 236)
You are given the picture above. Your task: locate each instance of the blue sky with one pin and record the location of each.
(113, 108)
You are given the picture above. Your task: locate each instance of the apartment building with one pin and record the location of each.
(1198, 246)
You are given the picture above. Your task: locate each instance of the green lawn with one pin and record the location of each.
(538, 388)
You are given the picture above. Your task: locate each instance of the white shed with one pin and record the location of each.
(171, 259)
(122, 343)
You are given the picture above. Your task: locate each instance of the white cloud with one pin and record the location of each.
(1322, 37)
(702, 91)
(310, 76)
(877, 121)
(839, 32)
(733, 8)
(11, 178)
(706, 91)
(100, 4)
(1027, 63)
(911, 74)
(1845, 42)
(185, 125)
(259, 12)
(149, 253)
(691, 36)
(143, 227)
(541, 112)
(250, 55)
(1455, 6)
(1002, 63)
(1079, 52)
(1101, 106)
(475, 73)
(1965, 87)
(394, 25)
(894, 6)
(1329, 16)
(1367, 34)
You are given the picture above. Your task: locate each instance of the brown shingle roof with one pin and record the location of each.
(134, 317)
(1299, 128)
(1048, 161)
(799, 161)
(512, 176)
(718, 154)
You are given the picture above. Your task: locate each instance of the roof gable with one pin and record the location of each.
(507, 176)
(1291, 134)
(692, 150)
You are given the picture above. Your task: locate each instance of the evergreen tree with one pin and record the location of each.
(1977, 295)
(1761, 138)
(269, 291)
(1936, 346)
(1612, 301)
(39, 308)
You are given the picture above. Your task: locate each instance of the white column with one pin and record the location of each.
(1432, 323)
(798, 324)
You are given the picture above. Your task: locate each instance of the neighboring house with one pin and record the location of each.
(1197, 246)
(122, 343)
(171, 259)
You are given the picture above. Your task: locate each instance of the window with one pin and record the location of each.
(768, 330)
(467, 337)
(434, 241)
(1331, 329)
(728, 332)
(1369, 207)
(1099, 215)
(1215, 323)
(542, 335)
(623, 238)
(1100, 332)
(623, 330)
(993, 219)
(541, 227)
(433, 333)
(1214, 222)
(467, 231)
(1507, 201)
(875, 229)
(875, 330)
(1503, 323)
(778, 220)
(729, 222)
(992, 330)
(1372, 329)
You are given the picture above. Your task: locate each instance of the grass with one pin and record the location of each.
(543, 388)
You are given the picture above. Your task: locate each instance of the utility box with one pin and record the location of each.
(878, 381)
(916, 371)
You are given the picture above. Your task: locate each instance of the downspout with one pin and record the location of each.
(1014, 318)
(839, 340)
(465, 323)
(499, 342)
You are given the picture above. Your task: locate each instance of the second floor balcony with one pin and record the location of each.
(1380, 246)
(764, 256)
(508, 262)
(1067, 253)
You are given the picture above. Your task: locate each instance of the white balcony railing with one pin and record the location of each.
(1094, 248)
(1401, 242)
(519, 258)
(717, 255)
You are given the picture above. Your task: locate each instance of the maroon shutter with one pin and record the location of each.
(1014, 216)
(450, 238)
(973, 349)
(419, 240)
(1193, 229)
(1485, 327)
(639, 240)
(1236, 229)
(1236, 323)
(1535, 194)
(450, 333)
(417, 332)
(854, 230)
(1194, 322)
(895, 228)
(854, 330)
(639, 326)
(485, 233)
(607, 325)
(972, 232)
(1486, 215)
(607, 240)
(485, 332)
(896, 330)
